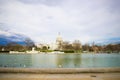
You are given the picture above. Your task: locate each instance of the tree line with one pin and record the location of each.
(14, 46)
(77, 47)
(109, 48)
(66, 46)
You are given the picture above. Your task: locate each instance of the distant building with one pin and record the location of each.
(42, 45)
(58, 44)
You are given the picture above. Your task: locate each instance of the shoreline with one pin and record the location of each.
(60, 70)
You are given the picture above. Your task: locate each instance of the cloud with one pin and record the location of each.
(75, 19)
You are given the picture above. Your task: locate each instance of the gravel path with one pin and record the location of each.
(81, 76)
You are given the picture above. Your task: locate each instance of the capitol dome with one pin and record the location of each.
(59, 39)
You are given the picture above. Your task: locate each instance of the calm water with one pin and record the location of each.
(59, 60)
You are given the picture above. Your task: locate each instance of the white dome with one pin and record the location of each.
(59, 39)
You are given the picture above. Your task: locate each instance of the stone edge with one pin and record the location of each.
(59, 70)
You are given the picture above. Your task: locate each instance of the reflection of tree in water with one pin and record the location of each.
(26, 60)
(15, 60)
(77, 60)
(88, 60)
(69, 60)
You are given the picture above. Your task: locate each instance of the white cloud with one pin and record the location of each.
(4, 33)
(75, 19)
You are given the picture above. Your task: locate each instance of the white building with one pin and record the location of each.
(53, 46)
(57, 44)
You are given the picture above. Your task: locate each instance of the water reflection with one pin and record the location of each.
(77, 60)
(44, 61)
(68, 61)
(59, 60)
(15, 60)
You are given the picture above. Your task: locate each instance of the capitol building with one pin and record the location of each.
(57, 45)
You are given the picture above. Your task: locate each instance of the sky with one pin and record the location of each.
(42, 20)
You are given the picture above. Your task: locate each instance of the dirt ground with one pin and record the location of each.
(80, 76)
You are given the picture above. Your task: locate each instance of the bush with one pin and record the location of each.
(68, 51)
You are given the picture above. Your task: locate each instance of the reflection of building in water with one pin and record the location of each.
(69, 61)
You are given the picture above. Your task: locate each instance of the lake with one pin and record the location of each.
(60, 60)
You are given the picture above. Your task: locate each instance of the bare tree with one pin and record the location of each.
(77, 45)
(86, 47)
(13, 46)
